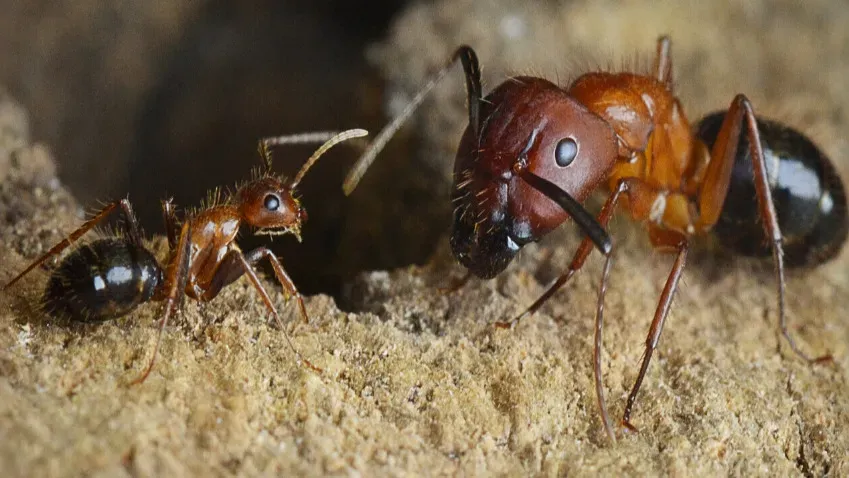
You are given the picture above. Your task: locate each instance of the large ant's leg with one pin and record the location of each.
(595, 235)
(131, 225)
(176, 278)
(715, 189)
(577, 261)
(663, 62)
(235, 264)
(661, 239)
(471, 69)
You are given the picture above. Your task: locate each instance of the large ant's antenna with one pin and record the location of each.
(338, 138)
(471, 69)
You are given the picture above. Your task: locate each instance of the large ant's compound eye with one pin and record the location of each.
(271, 202)
(565, 152)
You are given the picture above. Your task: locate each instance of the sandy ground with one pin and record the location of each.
(420, 383)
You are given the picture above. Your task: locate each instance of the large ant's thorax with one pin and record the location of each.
(653, 134)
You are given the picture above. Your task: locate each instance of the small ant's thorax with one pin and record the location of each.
(654, 137)
(213, 235)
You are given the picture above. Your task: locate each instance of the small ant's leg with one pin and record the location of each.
(236, 258)
(471, 69)
(261, 253)
(232, 268)
(577, 261)
(173, 288)
(169, 218)
(662, 239)
(715, 189)
(132, 230)
(663, 62)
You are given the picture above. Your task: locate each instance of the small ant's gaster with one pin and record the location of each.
(111, 276)
(533, 152)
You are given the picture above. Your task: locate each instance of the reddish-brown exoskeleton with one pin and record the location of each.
(533, 152)
(111, 276)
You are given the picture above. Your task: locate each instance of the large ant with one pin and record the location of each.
(110, 277)
(533, 152)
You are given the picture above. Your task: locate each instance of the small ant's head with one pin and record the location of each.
(269, 205)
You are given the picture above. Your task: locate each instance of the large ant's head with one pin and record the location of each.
(528, 126)
(269, 203)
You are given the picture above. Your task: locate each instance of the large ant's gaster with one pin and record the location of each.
(110, 277)
(533, 152)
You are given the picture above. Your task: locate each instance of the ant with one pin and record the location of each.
(109, 277)
(533, 152)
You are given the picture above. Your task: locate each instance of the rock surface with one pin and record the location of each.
(421, 383)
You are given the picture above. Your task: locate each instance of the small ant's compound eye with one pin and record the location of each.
(565, 152)
(271, 202)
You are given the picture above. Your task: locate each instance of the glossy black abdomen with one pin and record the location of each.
(102, 280)
(809, 197)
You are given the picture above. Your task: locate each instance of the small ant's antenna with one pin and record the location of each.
(472, 72)
(297, 138)
(338, 138)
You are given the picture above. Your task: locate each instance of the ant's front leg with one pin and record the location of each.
(715, 189)
(235, 264)
(580, 255)
(131, 226)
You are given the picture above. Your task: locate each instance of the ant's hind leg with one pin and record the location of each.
(176, 278)
(661, 239)
(715, 189)
(131, 225)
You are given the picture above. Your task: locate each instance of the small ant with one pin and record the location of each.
(111, 276)
(533, 152)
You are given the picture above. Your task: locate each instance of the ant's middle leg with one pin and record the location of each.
(663, 240)
(715, 189)
(131, 225)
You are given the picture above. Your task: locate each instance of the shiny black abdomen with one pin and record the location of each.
(102, 280)
(809, 197)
